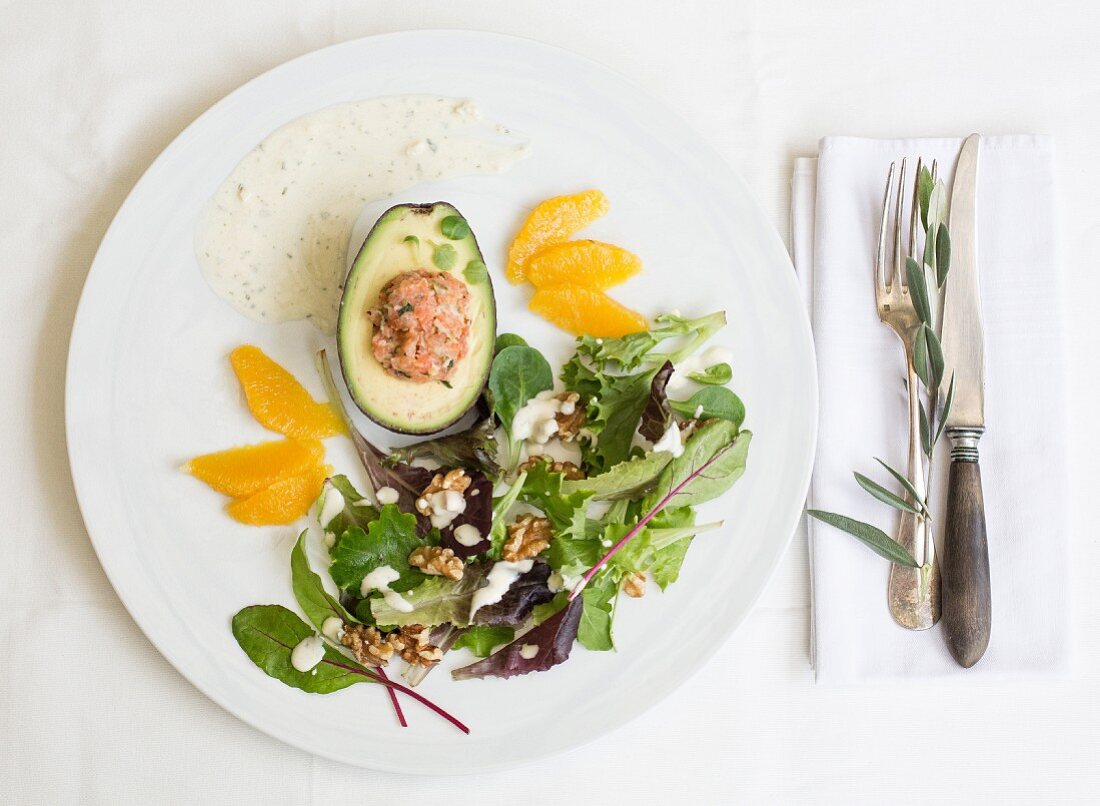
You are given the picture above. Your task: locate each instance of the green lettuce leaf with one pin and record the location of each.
(594, 630)
(625, 480)
(387, 541)
(483, 639)
(437, 600)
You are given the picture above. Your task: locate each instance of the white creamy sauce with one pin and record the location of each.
(386, 495)
(307, 653)
(528, 651)
(500, 579)
(670, 441)
(446, 505)
(332, 504)
(536, 420)
(680, 382)
(330, 540)
(333, 628)
(467, 535)
(272, 241)
(379, 580)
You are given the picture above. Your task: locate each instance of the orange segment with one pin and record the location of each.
(285, 501)
(552, 221)
(278, 401)
(591, 264)
(582, 311)
(243, 471)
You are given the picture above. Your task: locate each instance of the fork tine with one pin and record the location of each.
(899, 270)
(880, 261)
(914, 212)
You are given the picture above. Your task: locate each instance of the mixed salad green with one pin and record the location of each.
(569, 497)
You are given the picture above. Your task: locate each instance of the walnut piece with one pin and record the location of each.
(634, 584)
(568, 469)
(411, 643)
(456, 480)
(437, 561)
(528, 536)
(374, 648)
(571, 416)
(369, 646)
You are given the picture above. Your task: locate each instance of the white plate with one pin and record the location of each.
(148, 386)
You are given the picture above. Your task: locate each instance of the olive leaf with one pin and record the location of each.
(946, 408)
(872, 537)
(884, 495)
(924, 192)
(935, 358)
(920, 355)
(943, 254)
(903, 481)
(918, 290)
(925, 432)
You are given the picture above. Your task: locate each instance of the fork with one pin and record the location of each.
(913, 594)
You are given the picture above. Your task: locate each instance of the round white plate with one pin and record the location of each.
(149, 386)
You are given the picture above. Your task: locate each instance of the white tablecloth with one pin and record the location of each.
(90, 92)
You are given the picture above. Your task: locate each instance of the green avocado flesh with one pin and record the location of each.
(405, 238)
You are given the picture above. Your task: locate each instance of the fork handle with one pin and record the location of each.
(966, 605)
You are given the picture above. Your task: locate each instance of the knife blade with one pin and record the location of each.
(963, 335)
(965, 595)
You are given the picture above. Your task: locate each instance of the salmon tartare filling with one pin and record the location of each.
(421, 326)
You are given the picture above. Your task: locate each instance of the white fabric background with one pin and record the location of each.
(90, 92)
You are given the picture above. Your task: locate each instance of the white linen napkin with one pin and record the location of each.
(863, 413)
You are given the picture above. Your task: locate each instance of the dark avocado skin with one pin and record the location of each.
(490, 306)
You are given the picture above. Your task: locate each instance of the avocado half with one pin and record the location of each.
(405, 238)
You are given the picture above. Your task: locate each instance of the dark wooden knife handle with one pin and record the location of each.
(964, 574)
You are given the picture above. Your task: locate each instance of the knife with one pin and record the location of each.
(965, 601)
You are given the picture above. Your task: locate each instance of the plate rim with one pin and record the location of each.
(804, 337)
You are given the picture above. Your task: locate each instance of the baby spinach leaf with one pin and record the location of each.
(317, 603)
(553, 641)
(386, 541)
(714, 375)
(625, 480)
(482, 639)
(508, 340)
(657, 416)
(269, 633)
(594, 630)
(712, 402)
(517, 375)
(454, 227)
